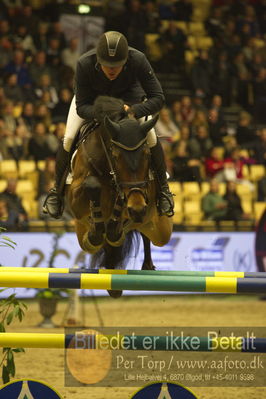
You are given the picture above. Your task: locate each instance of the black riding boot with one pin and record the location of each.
(165, 200)
(54, 202)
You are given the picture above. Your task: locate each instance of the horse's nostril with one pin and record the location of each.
(137, 214)
(144, 210)
(130, 211)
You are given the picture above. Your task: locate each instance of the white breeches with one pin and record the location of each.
(74, 122)
(151, 136)
(72, 126)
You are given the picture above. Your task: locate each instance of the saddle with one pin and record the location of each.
(86, 129)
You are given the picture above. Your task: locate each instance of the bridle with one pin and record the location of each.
(133, 186)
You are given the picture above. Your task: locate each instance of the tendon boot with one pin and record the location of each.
(165, 198)
(54, 202)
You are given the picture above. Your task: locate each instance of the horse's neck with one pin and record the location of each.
(104, 138)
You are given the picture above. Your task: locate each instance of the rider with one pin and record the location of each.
(116, 70)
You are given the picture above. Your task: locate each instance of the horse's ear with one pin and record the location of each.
(147, 126)
(111, 126)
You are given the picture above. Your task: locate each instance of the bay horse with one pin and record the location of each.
(113, 192)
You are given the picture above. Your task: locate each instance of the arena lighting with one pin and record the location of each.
(84, 9)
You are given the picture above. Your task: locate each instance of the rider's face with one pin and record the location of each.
(111, 72)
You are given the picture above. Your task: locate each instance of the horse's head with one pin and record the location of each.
(130, 157)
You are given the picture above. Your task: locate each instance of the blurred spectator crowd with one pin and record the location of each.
(218, 48)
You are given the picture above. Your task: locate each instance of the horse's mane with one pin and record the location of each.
(110, 106)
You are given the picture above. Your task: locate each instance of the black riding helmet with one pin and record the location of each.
(112, 49)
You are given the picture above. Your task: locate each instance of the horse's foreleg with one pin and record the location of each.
(78, 200)
(147, 262)
(84, 199)
(115, 234)
(82, 229)
(92, 187)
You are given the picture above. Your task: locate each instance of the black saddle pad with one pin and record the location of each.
(85, 130)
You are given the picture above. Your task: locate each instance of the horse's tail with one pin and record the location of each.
(116, 257)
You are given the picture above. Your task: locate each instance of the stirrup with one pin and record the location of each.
(169, 197)
(60, 203)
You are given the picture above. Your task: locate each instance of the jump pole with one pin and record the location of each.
(187, 273)
(226, 285)
(82, 340)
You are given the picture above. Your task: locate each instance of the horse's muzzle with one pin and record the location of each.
(137, 204)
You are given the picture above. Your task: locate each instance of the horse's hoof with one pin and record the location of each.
(115, 293)
(115, 241)
(148, 266)
(95, 239)
(114, 234)
(88, 246)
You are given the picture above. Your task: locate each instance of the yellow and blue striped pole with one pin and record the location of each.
(82, 340)
(187, 273)
(226, 285)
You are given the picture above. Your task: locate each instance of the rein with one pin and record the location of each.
(112, 171)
